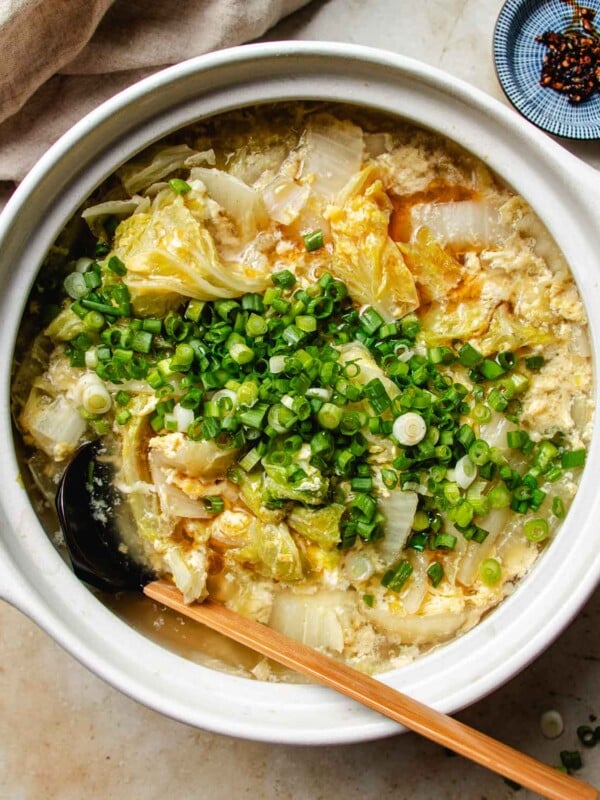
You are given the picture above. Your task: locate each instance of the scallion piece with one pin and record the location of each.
(369, 600)
(536, 530)
(571, 759)
(329, 416)
(214, 505)
(254, 416)
(75, 286)
(558, 507)
(444, 541)
(534, 362)
(395, 579)
(180, 186)
(250, 460)
(284, 279)
(313, 240)
(241, 353)
(479, 452)
(572, 458)
(435, 573)
(370, 320)
(490, 571)
(366, 504)
(115, 265)
(468, 356)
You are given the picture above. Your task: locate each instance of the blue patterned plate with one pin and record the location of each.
(518, 58)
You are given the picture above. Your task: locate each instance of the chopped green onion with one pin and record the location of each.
(389, 478)
(93, 321)
(536, 530)
(329, 416)
(491, 369)
(115, 265)
(250, 460)
(142, 342)
(479, 452)
(284, 279)
(572, 458)
(370, 320)
(366, 504)
(444, 541)
(490, 571)
(179, 186)
(214, 505)
(75, 286)
(469, 357)
(313, 240)
(369, 600)
(558, 508)
(254, 416)
(435, 573)
(586, 736)
(241, 353)
(481, 413)
(534, 362)
(395, 579)
(571, 759)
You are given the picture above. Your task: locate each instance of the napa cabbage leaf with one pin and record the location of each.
(365, 257)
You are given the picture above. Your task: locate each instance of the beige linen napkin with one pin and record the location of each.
(61, 58)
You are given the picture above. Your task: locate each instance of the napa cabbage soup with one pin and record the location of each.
(343, 372)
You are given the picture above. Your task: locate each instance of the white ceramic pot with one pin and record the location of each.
(36, 580)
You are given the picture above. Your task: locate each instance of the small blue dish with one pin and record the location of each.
(518, 59)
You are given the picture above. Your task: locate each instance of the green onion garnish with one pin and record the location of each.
(180, 186)
(435, 573)
(572, 458)
(536, 530)
(490, 571)
(395, 579)
(313, 240)
(115, 265)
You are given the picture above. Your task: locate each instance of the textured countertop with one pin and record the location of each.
(66, 735)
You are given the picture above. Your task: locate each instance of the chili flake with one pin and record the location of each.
(572, 64)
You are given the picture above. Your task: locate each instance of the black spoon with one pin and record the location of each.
(85, 503)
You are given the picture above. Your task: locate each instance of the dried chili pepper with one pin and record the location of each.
(572, 64)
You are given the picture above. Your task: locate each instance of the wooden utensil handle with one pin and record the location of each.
(426, 721)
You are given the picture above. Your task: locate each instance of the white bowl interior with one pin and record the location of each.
(35, 578)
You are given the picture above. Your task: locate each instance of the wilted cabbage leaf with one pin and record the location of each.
(435, 271)
(508, 332)
(134, 477)
(54, 424)
(65, 326)
(137, 175)
(241, 202)
(463, 315)
(320, 525)
(253, 495)
(365, 257)
(490, 326)
(332, 152)
(168, 249)
(269, 547)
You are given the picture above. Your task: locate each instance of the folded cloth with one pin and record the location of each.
(62, 58)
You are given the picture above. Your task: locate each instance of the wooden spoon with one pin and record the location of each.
(434, 725)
